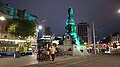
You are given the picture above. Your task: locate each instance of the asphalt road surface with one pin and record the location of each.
(104, 60)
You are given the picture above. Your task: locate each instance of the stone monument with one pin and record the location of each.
(72, 43)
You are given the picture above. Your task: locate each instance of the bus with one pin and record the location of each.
(10, 47)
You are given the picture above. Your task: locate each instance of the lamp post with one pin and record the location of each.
(2, 18)
(94, 38)
(40, 28)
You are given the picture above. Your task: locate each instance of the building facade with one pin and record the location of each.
(47, 31)
(84, 31)
(9, 12)
(8, 42)
(115, 39)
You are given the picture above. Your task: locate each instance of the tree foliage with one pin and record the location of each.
(22, 27)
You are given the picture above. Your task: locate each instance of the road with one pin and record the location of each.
(104, 60)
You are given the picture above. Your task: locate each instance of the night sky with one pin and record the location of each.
(102, 12)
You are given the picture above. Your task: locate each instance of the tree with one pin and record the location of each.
(22, 28)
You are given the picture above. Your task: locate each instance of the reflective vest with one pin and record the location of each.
(53, 50)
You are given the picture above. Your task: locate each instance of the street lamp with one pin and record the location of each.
(2, 18)
(119, 11)
(40, 27)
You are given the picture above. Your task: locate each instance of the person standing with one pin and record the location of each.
(47, 53)
(39, 56)
(53, 50)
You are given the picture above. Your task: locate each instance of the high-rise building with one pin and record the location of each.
(47, 31)
(84, 31)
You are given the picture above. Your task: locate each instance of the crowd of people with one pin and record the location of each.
(46, 54)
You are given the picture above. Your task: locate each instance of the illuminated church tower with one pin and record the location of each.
(71, 41)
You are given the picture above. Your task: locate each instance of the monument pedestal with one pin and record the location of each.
(72, 49)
